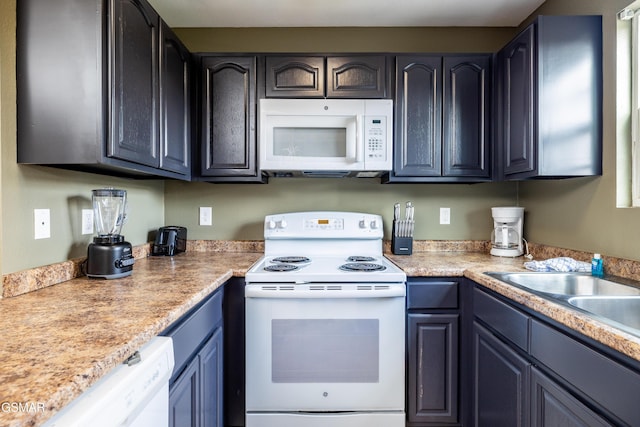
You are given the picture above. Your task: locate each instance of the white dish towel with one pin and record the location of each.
(562, 264)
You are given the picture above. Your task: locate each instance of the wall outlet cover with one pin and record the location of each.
(41, 223)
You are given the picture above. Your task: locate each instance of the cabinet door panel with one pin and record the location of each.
(417, 148)
(433, 367)
(134, 50)
(291, 77)
(466, 116)
(501, 383)
(184, 398)
(211, 371)
(552, 406)
(228, 144)
(175, 135)
(516, 62)
(356, 77)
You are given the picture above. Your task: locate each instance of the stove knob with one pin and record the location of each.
(363, 223)
(271, 224)
(282, 224)
(374, 224)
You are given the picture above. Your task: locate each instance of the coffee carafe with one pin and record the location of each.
(506, 237)
(109, 256)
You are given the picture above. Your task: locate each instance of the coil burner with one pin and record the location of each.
(360, 258)
(362, 267)
(292, 259)
(281, 267)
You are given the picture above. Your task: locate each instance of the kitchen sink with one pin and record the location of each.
(624, 310)
(567, 284)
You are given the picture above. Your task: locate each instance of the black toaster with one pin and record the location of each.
(170, 240)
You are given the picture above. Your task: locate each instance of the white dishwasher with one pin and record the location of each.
(133, 394)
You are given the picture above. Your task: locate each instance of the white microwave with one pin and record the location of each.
(326, 137)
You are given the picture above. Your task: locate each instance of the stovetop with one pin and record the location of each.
(324, 269)
(324, 247)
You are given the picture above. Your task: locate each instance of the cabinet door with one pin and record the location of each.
(228, 140)
(175, 116)
(185, 397)
(134, 82)
(211, 372)
(432, 368)
(295, 76)
(501, 383)
(418, 116)
(466, 116)
(356, 77)
(553, 406)
(516, 104)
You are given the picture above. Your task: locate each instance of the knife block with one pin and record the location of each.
(401, 245)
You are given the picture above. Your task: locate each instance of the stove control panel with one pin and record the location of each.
(323, 225)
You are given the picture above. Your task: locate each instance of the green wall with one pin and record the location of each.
(24, 188)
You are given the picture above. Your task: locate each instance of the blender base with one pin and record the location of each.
(109, 261)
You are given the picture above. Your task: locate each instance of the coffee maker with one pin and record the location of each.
(506, 237)
(109, 256)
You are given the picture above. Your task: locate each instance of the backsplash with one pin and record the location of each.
(25, 281)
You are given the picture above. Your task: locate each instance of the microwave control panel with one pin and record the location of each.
(375, 131)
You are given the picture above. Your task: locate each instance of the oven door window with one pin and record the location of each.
(325, 350)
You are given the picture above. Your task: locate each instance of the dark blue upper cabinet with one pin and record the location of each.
(549, 121)
(91, 94)
(442, 118)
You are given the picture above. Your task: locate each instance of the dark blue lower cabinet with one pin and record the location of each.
(433, 352)
(552, 405)
(195, 388)
(501, 382)
(195, 398)
(530, 371)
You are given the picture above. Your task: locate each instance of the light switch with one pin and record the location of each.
(87, 221)
(445, 216)
(206, 215)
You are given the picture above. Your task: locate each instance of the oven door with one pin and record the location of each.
(319, 352)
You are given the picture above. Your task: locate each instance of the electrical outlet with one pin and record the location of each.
(41, 223)
(206, 215)
(87, 221)
(445, 215)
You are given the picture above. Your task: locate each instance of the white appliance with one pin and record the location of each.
(325, 328)
(134, 394)
(326, 137)
(506, 237)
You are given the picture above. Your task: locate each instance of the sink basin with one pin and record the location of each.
(624, 310)
(567, 284)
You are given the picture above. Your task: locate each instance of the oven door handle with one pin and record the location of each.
(275, 292)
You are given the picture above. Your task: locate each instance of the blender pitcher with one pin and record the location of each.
(109, 206)
(109, 256)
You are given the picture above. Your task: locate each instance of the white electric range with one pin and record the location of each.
(325, 329)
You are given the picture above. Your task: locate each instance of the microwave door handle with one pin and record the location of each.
(359, 140)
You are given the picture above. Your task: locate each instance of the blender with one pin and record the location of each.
(109, 256)
(506, 237)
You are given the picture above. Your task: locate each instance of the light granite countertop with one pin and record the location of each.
(57, 341)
